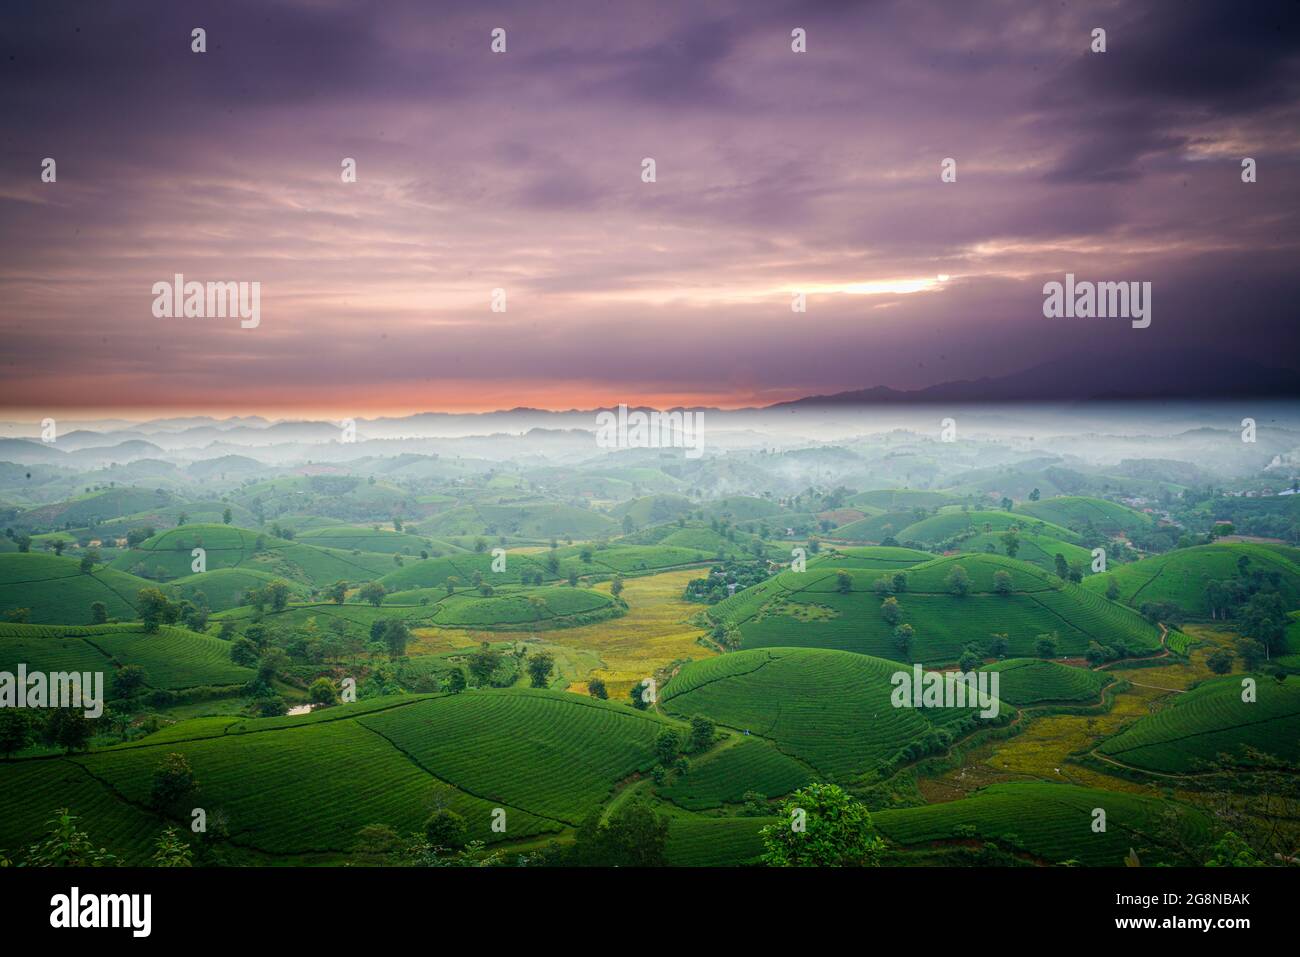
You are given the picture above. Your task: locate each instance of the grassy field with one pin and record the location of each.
(654, 633)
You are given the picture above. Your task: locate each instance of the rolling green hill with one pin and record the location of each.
(94, 508)
(173, 658)
(289, 786)
(1051, 822)
(726, 774)
(875, 528)
(715, 841)
(1029, 681)
(1180, 576)
(535, 607)
(167, 556)
(55, 590)
(951, 522)
(1040, 550)
(829, 711)
(901, 499)
(808, 610)
(535, 520)
(380, 541)
(225, 588)
(1077, 512)
(1210, 720)
(653, 509)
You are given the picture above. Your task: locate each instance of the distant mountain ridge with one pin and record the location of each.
(1176, 375)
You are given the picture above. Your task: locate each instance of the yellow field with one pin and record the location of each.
(654, 633)
(1039, 752)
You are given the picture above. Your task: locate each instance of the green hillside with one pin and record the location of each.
(1040, 550)
(1180, 576)
(434, 572)
(168, 556)
(94, 508)
(381, 541)
(875, 528)
(901, 499)
(226, 588)
(1051, 822)
(726, 774)
(172, 659)
(56, 591)
(1029, 681)
(828, 710)
(1077, 512)
(808, 610)
(1210, 720)
(715, 841)
(538, 520)
(534, 607)
(289, 786)
(653, 509)
(952, 522)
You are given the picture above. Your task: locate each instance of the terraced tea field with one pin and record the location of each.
(809, 610)
(56, 591)
(725, 775)
(553, 754)
(1028, 681)
(1180, 576)
(828, 709)
(1211, 720)
(172, 659)
(1050, 822)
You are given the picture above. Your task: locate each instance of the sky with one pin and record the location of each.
(776, 172)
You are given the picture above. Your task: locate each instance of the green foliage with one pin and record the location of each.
(66, 846)
(823, 827)
(634, 836)
(446, 829)
(172, 850)
(173, 782)
(540, 666)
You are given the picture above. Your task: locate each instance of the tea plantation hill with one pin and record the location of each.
(1180, 577)
(813, 609)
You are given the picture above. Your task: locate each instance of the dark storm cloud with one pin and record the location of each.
(776, 172)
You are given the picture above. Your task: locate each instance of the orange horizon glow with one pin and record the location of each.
(400, 401)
